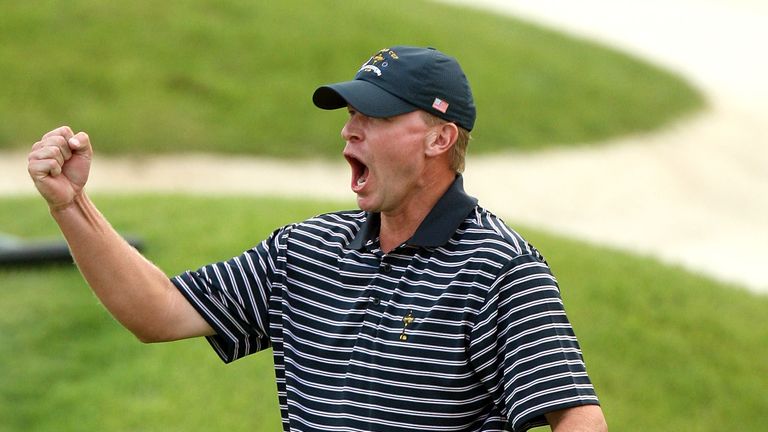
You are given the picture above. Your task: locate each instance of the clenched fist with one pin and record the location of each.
(59, 165)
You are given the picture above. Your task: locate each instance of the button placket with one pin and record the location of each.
(385, 267)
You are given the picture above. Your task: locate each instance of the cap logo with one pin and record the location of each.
(370, 68)
(370, 65)
(440, 105)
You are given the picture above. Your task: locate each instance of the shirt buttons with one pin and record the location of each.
(386, 267)
(375, 301)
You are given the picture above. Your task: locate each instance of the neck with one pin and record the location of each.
(399, 225)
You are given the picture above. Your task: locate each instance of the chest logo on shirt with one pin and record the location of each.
(407, 320)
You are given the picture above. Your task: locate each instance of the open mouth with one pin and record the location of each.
(359, 172)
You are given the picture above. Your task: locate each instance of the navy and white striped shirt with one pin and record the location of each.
(461, 328)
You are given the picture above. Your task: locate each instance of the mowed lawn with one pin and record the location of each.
(237, 76)
(667, 350)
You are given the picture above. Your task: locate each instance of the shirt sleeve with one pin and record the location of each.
(233, 296)
(523, 347)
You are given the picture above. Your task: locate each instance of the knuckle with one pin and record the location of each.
(61, 131)
(34, 155)
(36, 167)
(59, 142)
(51, 141)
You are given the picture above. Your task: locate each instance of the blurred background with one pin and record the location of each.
(625, 140)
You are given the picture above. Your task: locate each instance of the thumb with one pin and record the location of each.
(80, 144)
(78, 167)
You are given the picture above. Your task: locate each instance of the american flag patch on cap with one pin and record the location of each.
(440, 105)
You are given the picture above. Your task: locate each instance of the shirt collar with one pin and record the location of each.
(436, 229)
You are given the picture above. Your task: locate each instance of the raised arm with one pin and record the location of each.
(135, 291)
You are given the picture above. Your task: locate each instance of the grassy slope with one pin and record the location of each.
(667, 350)
(237, 77)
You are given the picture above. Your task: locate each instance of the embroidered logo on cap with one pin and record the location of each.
(440, 105)
(371, 68)
(370, 65)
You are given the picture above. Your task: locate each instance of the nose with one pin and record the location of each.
(352, 132)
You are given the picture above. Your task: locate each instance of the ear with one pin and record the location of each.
(441, 139)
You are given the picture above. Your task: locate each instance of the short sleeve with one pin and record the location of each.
(523, 348)
(233, 296)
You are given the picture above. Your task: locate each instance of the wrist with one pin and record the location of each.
(60, 208)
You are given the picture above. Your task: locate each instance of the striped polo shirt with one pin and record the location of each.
(461, 328)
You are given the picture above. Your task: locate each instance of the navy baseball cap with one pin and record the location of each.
(402, 79)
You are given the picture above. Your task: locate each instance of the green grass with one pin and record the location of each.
(667, 350)
(237, 76)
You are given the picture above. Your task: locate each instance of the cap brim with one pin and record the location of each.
(364, 96)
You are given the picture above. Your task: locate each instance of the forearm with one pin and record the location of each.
(135, 291)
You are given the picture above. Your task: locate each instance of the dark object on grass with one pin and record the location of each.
(17, 252)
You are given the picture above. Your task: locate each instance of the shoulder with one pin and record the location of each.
(484, 230)
(341, 221)
(336, 227)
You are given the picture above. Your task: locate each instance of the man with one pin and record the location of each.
(420, 311)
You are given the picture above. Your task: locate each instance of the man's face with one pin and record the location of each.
(387, 159)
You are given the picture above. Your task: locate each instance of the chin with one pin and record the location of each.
(366, 205)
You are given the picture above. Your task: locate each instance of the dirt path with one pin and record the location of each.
(694, 195)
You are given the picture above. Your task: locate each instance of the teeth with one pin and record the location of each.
(363, 177)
